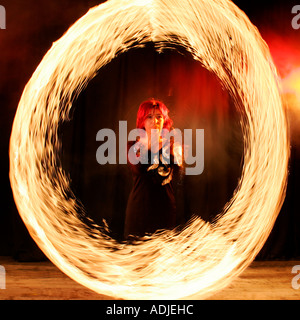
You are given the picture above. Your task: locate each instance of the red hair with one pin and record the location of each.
(144, 109)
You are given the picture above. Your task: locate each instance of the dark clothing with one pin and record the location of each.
(151, 205)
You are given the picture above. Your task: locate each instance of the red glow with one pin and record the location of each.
(198, 90)
(285, 50)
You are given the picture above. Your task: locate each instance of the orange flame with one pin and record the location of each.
(203, 257)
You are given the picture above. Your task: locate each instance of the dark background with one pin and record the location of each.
(195, 99)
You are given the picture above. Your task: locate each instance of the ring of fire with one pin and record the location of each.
(203, 257)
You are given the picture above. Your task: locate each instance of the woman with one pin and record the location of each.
(151, 204)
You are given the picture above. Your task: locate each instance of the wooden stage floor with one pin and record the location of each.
(267, 280)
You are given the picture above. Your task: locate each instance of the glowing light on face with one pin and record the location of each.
(203, 257)
(154, 120)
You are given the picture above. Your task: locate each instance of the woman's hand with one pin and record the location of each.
(152, 142)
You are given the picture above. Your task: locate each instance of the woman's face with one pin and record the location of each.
(154, 120)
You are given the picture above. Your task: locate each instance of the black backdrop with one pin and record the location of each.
(195, 99)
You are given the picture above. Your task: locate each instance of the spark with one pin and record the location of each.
(204, 257)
